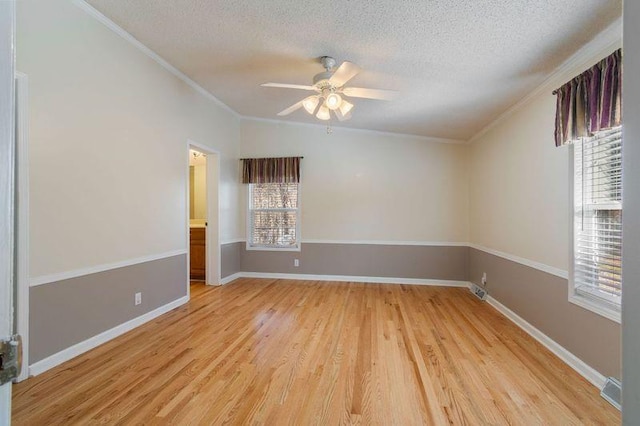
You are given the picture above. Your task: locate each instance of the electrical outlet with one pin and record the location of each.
(484, 278)
(296, 262)
(137, 299)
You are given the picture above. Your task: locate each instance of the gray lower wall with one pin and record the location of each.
(542, 300)
(67, 312)
(371, 260)
(230, 258)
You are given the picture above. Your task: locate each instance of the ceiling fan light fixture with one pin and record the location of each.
(310, 104)
(345, 107)
(331, 91)
(333, 101)
(323, 113)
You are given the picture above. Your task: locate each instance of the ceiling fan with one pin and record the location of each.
(330, 91)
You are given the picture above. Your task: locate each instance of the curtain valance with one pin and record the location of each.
(271, 170)
(590, 102)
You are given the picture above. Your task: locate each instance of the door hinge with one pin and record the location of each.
(10, 358)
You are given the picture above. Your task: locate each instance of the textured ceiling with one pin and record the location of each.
(457, 63)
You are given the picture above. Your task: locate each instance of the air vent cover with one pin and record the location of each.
(612, 392)
(479, 292)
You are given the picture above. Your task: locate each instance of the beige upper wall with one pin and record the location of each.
(519, 191)
(108, 144)
(370, 186)
(519, 181)
(99, 109)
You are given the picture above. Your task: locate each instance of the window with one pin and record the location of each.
(274, 216)
(597, 223)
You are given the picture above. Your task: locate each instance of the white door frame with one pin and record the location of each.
(22, 209)
(7, 184)
(213, 255)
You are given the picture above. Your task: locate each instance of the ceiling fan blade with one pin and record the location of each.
(344, 73)
(289, 86)
(360, 92)
(292, 108)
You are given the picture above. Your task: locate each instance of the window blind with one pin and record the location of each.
(598, 216)
(273, 210)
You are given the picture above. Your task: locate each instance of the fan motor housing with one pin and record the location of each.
(318, 78)
(327, 62)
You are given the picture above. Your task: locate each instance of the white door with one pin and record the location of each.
(7, 168)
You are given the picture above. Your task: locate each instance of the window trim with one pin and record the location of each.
(250, 247)
(580, 298)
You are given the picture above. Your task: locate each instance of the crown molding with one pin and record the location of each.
(355, 129)
(97, 15)
(608, 39)
(93, 12)
(601, 45)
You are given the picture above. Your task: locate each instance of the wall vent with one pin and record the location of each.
(479, 292)
(612, 392)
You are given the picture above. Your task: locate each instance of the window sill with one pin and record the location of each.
(258, 248)
(594, 306)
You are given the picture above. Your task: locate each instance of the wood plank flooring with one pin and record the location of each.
(305, 352)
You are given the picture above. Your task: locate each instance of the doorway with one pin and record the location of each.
(197, 215)
(203, 241)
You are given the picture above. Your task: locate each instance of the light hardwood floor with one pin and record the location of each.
(305, 352)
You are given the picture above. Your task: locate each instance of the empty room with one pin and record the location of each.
(333, 212)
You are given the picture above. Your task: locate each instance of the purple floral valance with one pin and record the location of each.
(271, 170)
(590, 102)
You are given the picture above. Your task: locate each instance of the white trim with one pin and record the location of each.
(97, 340)
(7, 187)
(249, 224)
(233, 277)
(213, 183)
(187, 218)
(372, 242)
(599, 308)
(390, 243)
(526, 262)
(530, 263)
(593, 305)
(233, 241)
(570, 359)
(46, 279)
(355, 129)
(90, 10)
(609, 39)
(351, 278)
(261, 248)
(22, 253)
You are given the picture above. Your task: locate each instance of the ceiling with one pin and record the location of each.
(457, 63)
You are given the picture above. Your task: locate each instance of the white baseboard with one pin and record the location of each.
(348, 278)
(85, 346)
(227, 280)
(570, 359)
